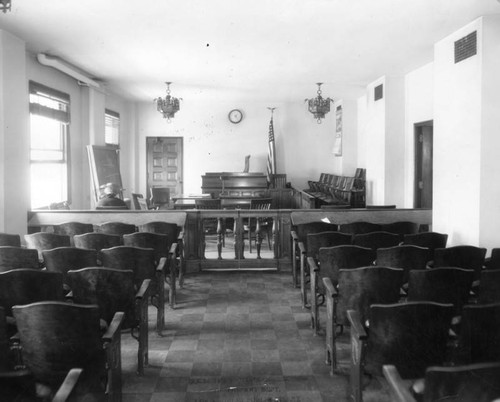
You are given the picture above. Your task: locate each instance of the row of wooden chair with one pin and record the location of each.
(338, 190)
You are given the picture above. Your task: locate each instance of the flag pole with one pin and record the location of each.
(271, 156)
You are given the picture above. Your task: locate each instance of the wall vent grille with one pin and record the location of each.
(466, 47)
(378, 92)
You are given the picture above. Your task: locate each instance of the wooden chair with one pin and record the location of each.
(18, 257)
(8, 239)
(431, 240)
(441, 285)
(46, 241)
(357, 289)
(162, 249)
(330, 261)
(298, 235)
(160, 197)
(278, 180)
(175, 235)
(142, 262)
(465, 256)
(493, 262)
(135, 201)
(97, 241)
(405, 256)
(478, 338)
(465, 383)
(359, 227)
(315, 241)
(401, 227)
(255, 226)
(376, 240)
(57, 336)
(489, 286)
(64, 259)
(116, 228)
(211, 226)
(73, 228)
(114, 290)
(411, 336)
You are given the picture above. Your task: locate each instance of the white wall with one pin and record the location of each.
(457, 140)
(419, 107)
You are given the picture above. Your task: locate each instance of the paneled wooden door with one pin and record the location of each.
(423, 165)
(164, 164)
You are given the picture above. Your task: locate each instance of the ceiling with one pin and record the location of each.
(265, 50)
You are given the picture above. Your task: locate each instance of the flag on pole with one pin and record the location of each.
(271, 161)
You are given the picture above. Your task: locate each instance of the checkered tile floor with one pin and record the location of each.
(235, 336)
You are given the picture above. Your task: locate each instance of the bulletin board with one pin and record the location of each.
(104, 164)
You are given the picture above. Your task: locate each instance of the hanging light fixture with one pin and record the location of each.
(319, 106)
(5, 5)
(169, 105)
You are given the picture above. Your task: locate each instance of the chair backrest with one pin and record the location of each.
(158, 242)
(404, 256)
(24, 286)
(359, 288)
(359, 227)
(441, 285)
(166, 228)
(376, 240)
(46, 241)
(278, 180)
(431, 240)
(111, 289)
(58, 336)
(63, 259)
(412, 336)
(7, 239)
(465, 383)
(479, 336)
(135, 200)
(489, 286)
(494, 260)
(116, 228)
(207, 203)
(261, 203)
(314, 227)
(96, 241)
(332, 259)
(314, 241)
(18, 257)
(401, 227)
(73, 228)
(160, 196)
(139, 260)
(466, 256)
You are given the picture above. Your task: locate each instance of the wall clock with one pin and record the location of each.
(235, 116)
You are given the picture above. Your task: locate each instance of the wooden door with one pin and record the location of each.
(423, 165)
(164, 164)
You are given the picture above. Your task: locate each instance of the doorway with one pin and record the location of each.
(423, 165)
(164, 164)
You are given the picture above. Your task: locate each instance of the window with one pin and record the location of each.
(111, 127)
(49, 117)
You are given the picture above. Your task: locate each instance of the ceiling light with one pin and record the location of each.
(169, 105)
(5, 5)
(319, 106)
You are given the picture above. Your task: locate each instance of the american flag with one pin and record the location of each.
(271, 161)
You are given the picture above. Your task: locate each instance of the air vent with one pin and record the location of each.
(378, 92)
(466, 47)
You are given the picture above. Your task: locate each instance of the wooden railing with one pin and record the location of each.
(238, 256)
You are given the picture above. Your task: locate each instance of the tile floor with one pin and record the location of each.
(237, 336)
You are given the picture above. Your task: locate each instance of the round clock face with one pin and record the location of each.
(235, 116)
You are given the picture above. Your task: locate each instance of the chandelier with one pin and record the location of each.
(169, 105)
(319, 106)
(5, 5)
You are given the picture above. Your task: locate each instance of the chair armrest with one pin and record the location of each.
(68, 385)
(161, 265)
(114, 327)
(330, 289)
(357, 329)
(143, 291)
(399, 387)
(302, 247)
(313, 267)
(294, 235)
(173, 249)
(181, 236)
(69, 296)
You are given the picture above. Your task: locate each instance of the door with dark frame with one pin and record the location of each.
(164, 164)
(423, 165)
